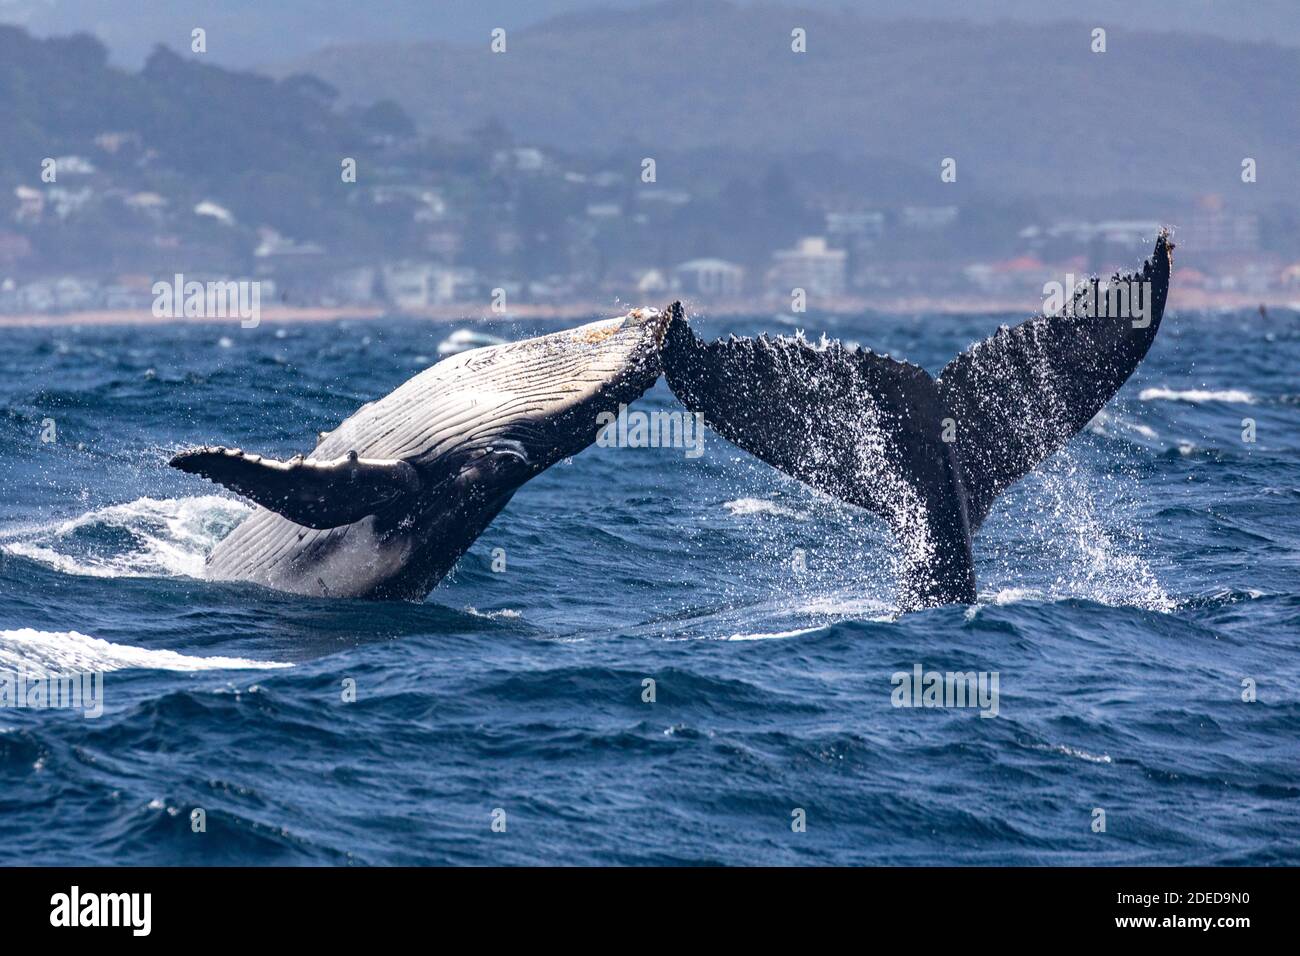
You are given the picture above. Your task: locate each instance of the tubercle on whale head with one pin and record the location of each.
(632, 340)
(636, 343)
(650, 326)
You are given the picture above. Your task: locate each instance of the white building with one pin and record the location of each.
(812, 266)
(420, 284)
(715, 278)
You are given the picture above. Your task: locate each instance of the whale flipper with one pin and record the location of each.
(315, 494)
(929, 456)
(1019, 396)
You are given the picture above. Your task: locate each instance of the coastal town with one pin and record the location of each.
(360, 213)
(465, 255)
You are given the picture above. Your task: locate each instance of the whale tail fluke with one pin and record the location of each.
(315, 494)
(1023, 393)
(929, 456)
(836, 418)
(854, 424)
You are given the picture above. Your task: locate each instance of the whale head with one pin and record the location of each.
(400, 490)
(518, 409)
(527, 405)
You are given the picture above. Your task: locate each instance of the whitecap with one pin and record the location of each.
(1107, 423)
(1198, 395)
(31, 651)
(1016, 596)
(167, 537)
(494, 615)
(1079, 754)
(774, 635)
(841, 607)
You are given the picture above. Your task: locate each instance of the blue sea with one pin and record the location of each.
(1139, 604)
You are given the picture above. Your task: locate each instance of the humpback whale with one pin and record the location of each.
(387, 502)
(928, 455)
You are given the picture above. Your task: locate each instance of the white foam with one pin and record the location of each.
(1107, 423)
(1016, 596)
(1197, 396)
(493, 615)
(840, 607)
(167, 537)
(758, 506)
(70, 652)
(774, 634)
(1077, 753)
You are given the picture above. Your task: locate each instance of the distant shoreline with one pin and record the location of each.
(1190, 299)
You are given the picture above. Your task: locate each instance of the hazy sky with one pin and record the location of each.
(252, 32)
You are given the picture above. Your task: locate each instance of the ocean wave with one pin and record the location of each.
(148, 537)
(69, 652)
(1197, 396)
(1015, 596)
(844, 607)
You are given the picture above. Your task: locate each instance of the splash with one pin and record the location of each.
(1060, 522)
(743, 507)
(1111, 424)
(148, 537)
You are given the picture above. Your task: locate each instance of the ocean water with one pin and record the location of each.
(1126, 591)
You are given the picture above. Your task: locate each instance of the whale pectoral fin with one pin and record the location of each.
(1019, 396)
(316, 494)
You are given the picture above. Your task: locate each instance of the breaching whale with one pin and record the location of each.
(928, 455)
(389, 501)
